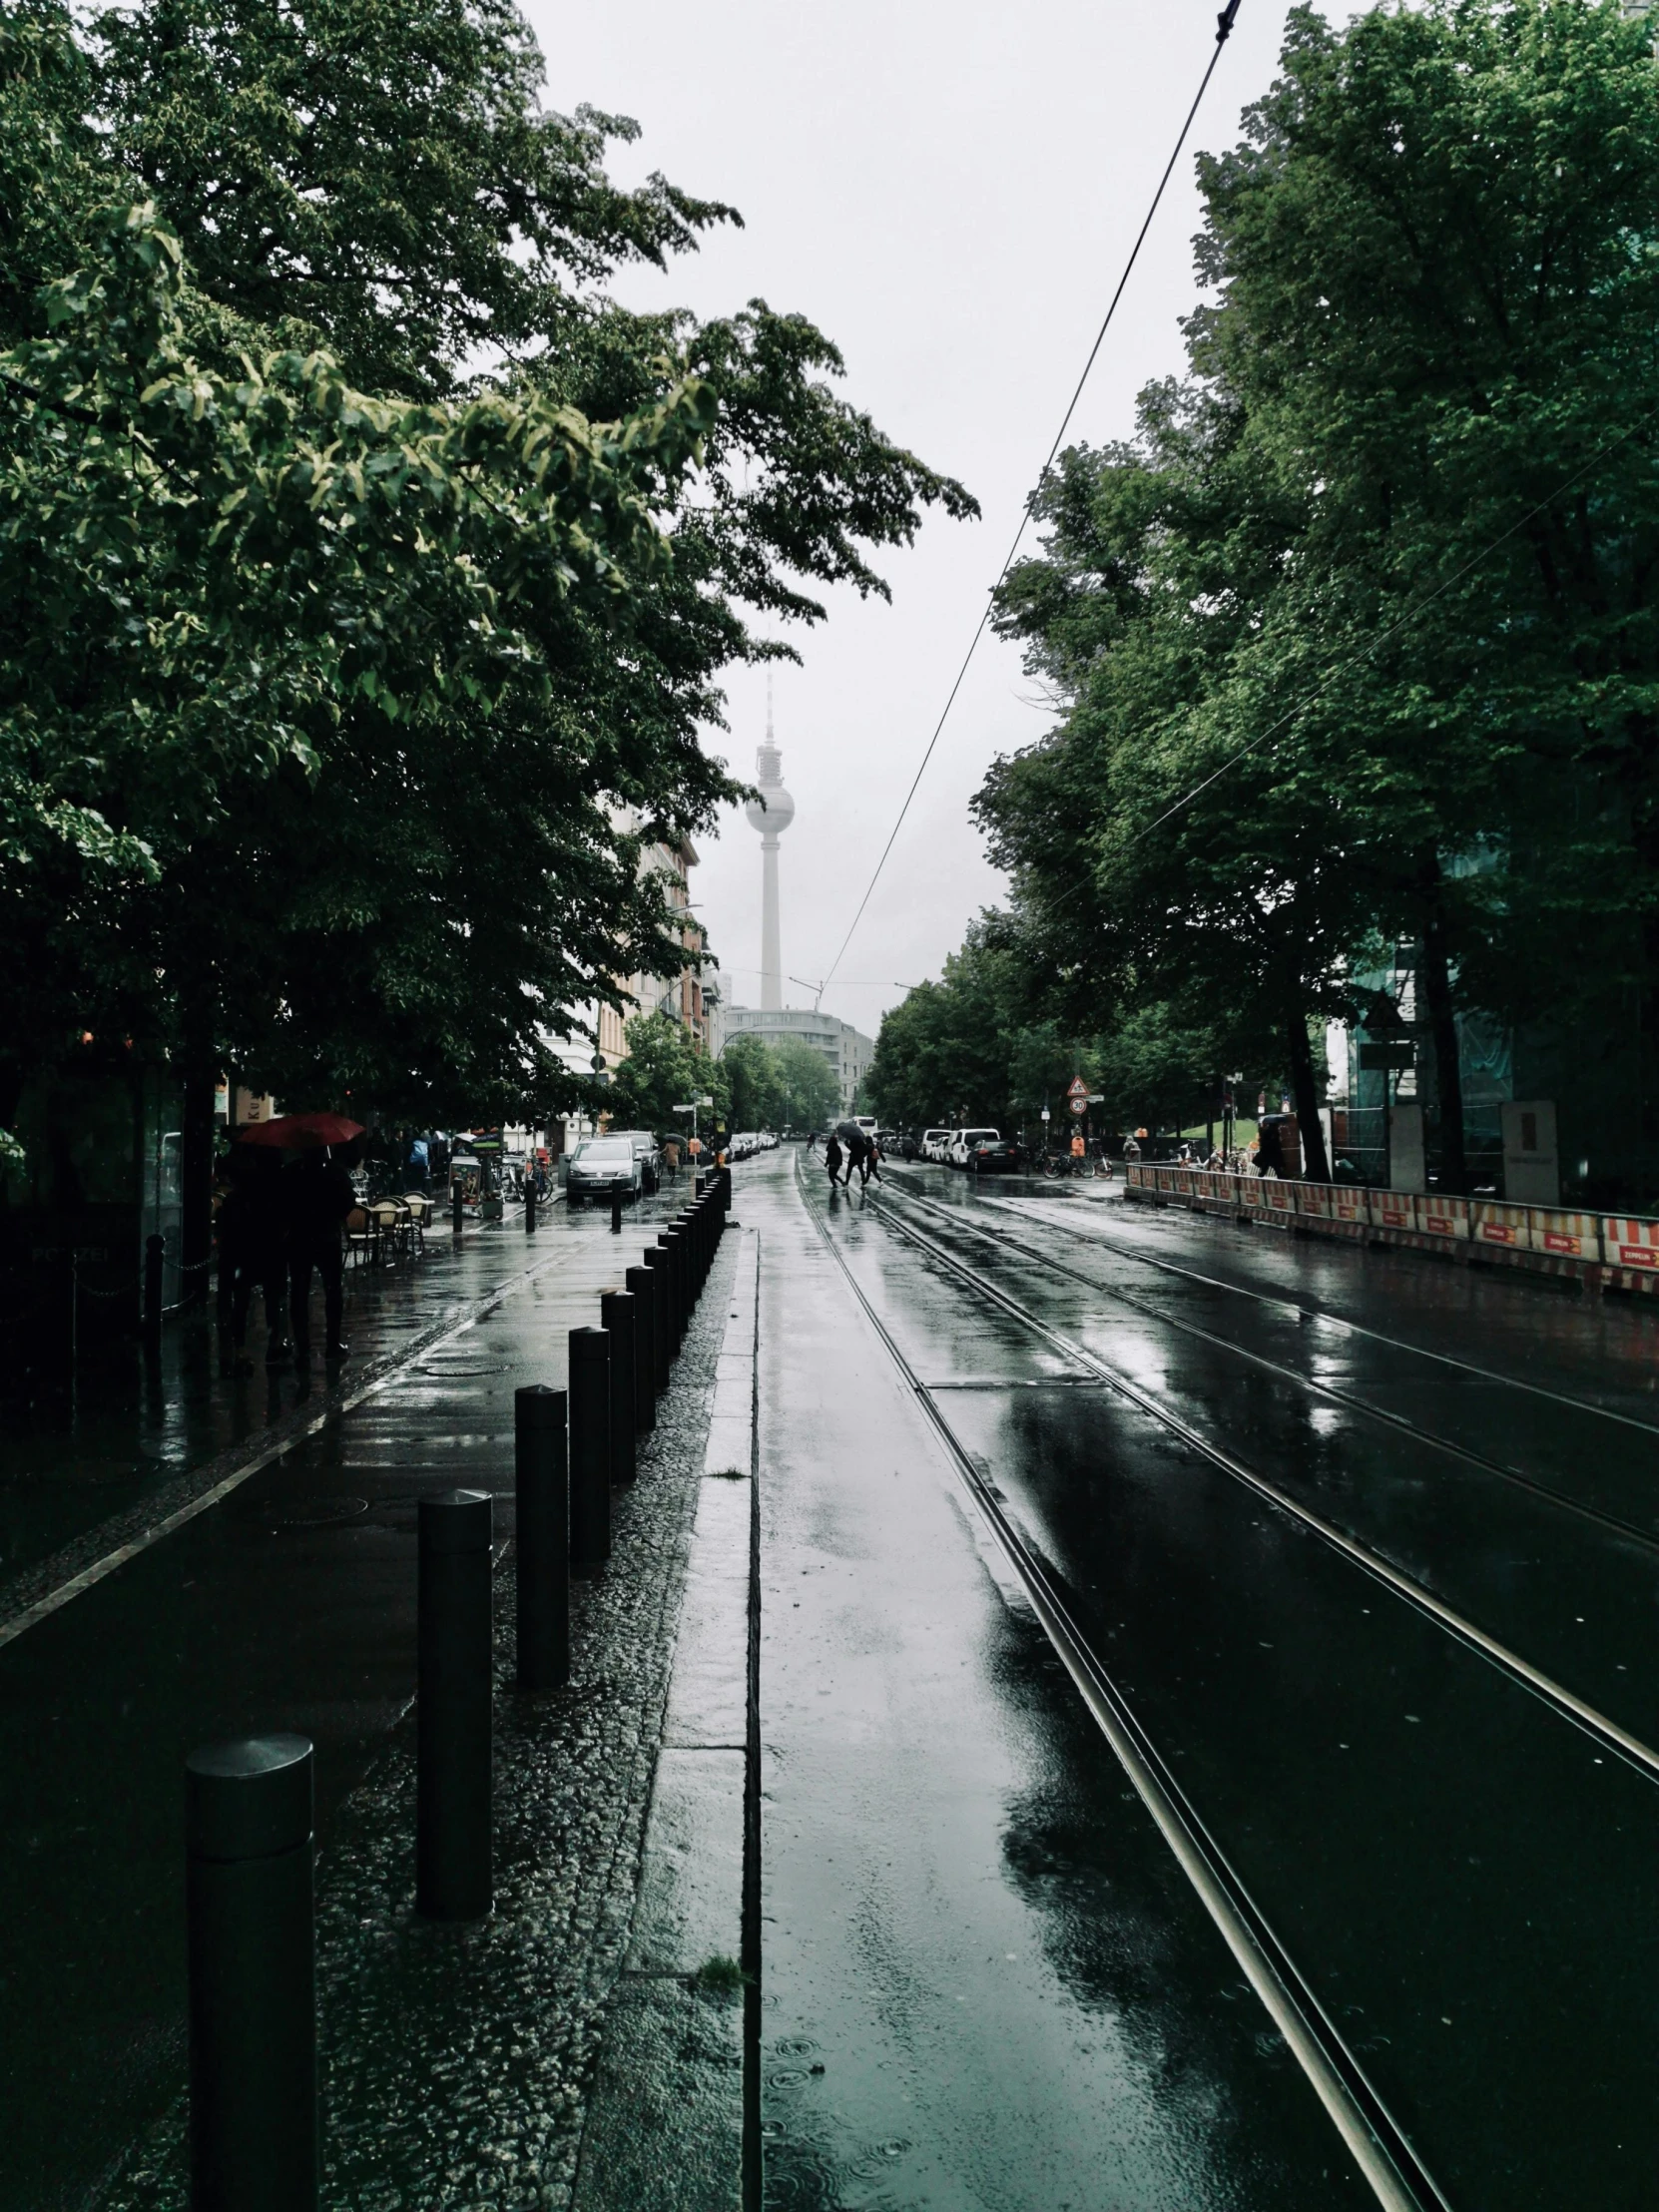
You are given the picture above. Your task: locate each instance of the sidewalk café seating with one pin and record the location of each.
(419, 1212)
(359, 1237)
(388, 1220)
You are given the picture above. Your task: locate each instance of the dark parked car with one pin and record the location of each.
(998, 1157)
(647, 1153)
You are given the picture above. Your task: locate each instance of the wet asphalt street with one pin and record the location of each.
(1366, 1549)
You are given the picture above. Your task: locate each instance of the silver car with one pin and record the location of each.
(600, 1163)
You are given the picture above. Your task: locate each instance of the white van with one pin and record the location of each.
(963, 1141)
(935, 1143)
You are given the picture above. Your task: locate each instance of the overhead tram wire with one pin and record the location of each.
(1224, 27)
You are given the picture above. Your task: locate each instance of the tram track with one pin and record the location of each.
(1567, 1705)
(1378, 2144)
(1350, 1401)
(1316, 1314)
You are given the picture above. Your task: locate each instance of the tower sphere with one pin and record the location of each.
(775, 817)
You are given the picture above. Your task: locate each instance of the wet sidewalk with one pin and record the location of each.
(455, 2062)
(135, 1441)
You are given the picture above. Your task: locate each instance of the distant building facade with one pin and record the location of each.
(679, 994)
(847, 1050)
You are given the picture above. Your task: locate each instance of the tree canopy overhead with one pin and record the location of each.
(370, 572)
(1356, 640)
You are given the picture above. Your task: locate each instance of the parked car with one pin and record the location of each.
(650, 1157)
(965, 1141)
(999, 1157)
(599, 1163)
(768, 1140)
(935, 1143)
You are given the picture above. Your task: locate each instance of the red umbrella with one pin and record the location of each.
(301, 1132)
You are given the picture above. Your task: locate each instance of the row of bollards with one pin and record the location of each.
(247, 1806)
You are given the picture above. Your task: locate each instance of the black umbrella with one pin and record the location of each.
(850, 1132)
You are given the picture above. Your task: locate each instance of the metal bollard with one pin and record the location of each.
(155, 1259)
(657, 1260)
(616, 1209)
(674, 1243)
(453, 1746)
(642, 1284)
(457, 1211)
(529, 1205)
(619, 1317)
(541, 1486)
(590, 1450)
(251, 1943)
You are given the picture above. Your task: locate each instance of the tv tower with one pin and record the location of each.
(771, 813)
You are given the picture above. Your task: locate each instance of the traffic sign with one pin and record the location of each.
(1080, 1105)
(1077, 1088)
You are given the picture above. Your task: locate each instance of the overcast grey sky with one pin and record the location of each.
(949, 192)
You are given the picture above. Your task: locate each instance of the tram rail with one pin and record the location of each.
(1352, 1402)
(1378, 2144)
(1333, 1320)
(1620, 1741)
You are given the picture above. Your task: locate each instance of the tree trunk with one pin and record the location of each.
(1305, 1089)
(1442, 1028)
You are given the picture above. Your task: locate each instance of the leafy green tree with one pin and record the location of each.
(754, 1093)
(1375, 592)
(948, 1049)
(661, 1072)
(323, 713)
(808, 1094)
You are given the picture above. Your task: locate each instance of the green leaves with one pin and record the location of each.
(1380, 586)
(366, 574)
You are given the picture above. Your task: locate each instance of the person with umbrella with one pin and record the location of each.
(318, 1196)
(858, 1149)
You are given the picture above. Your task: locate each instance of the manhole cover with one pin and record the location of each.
(319, 1513)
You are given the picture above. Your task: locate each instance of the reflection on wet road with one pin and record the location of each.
(985, 1980)
(1460, 1874)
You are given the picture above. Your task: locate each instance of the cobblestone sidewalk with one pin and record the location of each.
(456, 2064)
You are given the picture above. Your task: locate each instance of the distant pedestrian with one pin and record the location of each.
(671, 1157)
(318, 1197)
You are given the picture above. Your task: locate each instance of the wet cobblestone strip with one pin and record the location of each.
(670, 2123)
(457, 2063)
